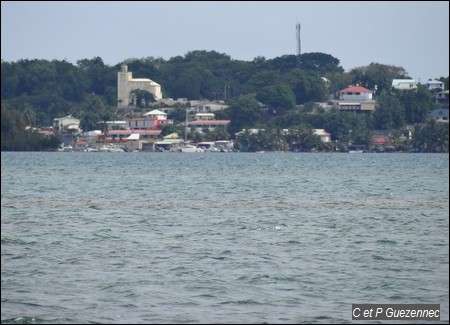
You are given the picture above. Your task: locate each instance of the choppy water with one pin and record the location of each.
(220, 238)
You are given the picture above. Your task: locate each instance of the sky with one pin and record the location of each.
(413, 35)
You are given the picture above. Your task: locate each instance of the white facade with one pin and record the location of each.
(156, 115)
(404, 84)
(435, 84)
(126, 84)
(207, 107)
(204, 116)
(63, 124)
(324, 135)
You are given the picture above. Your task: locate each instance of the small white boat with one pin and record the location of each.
(191, 148)
(110, 149)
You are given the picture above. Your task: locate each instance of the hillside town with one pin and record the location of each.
(280, 105)
(144, 132)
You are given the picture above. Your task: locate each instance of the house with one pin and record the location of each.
(204, 116)
(442, 98)
(356, 99)
(66, 124)
(168, 143)
(324, 135)
(149, 121)
(113, 125)
(404, 84)
(439, 115)
(435, 84)
(126, 84)
(207, 107)
(355, 94)
(211, 125)
(122, 135)
(158, 117)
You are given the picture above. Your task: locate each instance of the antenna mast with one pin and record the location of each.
(299, 45)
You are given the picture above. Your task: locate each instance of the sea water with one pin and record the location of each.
(220, 238)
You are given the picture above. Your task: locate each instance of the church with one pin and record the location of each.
(126, 84)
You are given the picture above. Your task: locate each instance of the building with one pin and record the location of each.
(323, 135)
(211, 125)
(204, 116)
(356, 99)
(404, 84)
(355, 94)
(435, 84)
(442, 98)
(66, 124)
(207, 107)
(126, 84)
(439, 115)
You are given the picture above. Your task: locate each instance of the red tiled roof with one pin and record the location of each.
(379, 140)
(355, 89)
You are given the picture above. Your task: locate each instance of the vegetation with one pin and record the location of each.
(273, 95)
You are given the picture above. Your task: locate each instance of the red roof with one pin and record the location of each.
(379, 140)
(355, 89)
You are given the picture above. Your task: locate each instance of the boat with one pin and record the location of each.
(214, 149)
(355, 149)
(105, 148)
(190, 148)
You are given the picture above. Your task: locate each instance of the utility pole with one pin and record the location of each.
(185, 129)
(299, 45)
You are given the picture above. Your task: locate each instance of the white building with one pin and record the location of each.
(356, 99)
(207, 107)
(204, 116)
(404, 84)
(435, 84)
(126, 84)
(324, 135)
(66, 124)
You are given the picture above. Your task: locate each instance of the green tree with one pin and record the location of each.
(417, 104)
(307, 86)
(142, 98)
(94, 111)
(278, 98)
(389, 113)
(431, 138)
(302, 138)
(443, 79)
(376, 74)
(245, 112)
(320, 62)
(98, 75)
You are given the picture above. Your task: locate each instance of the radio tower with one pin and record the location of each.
(299, 45)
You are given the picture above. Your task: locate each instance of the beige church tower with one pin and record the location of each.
(126, 84)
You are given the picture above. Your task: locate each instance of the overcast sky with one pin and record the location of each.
(413, 35)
